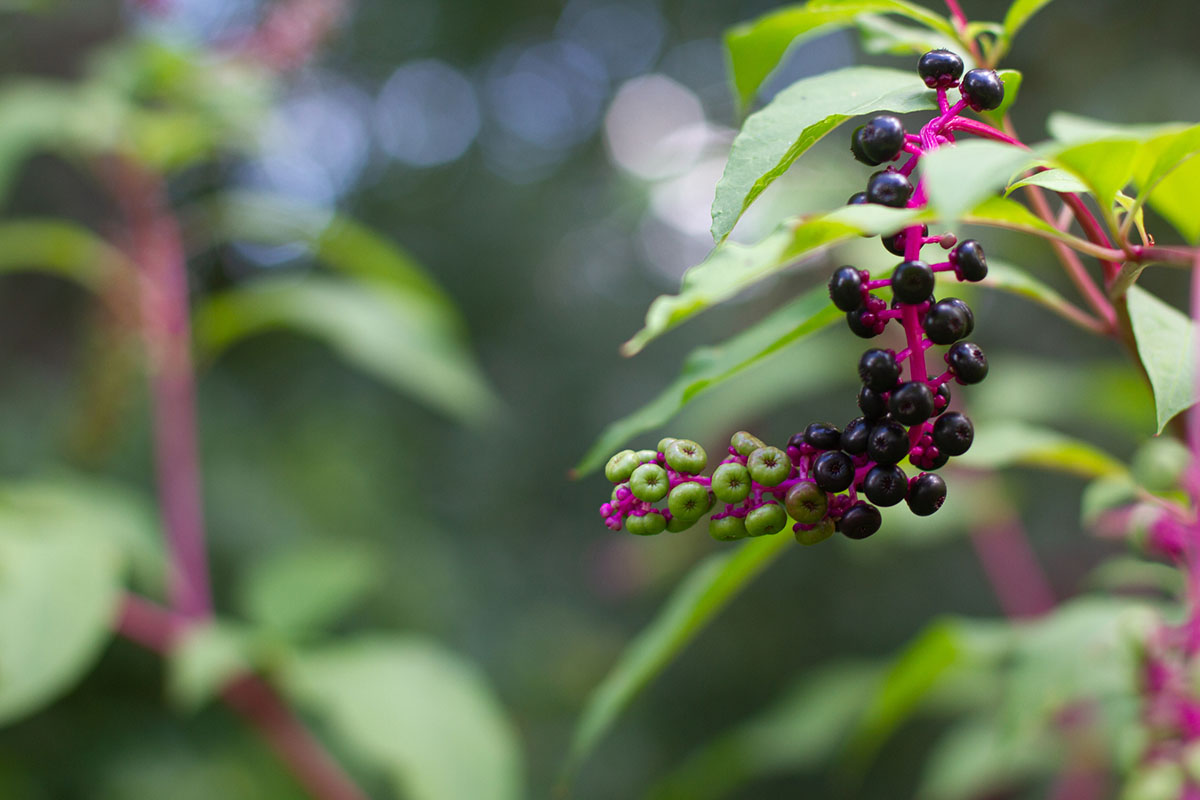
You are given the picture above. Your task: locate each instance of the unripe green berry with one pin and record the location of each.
(766, 520)
(647, 456)
(806, 503)
(770, 466)
(653, 523)
(621, 466)
(745, 443)
(823, 530)
(731, 482)
(727, 529)
(688, 501)
(684, 455)
(677, 525)
(664, 443)
(650, 483)
(635, 525)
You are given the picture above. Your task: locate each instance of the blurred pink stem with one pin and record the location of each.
(1009, 562)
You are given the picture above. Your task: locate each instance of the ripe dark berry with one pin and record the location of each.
(860, 521)
(833, 471)
(796, 440)
(888, 442)
(968, 258)
(858, 151)
(854, 436)
(940, 69)
(806, 503)
(881, 139)
(855, 322)
(823, 436)
(966, 309)
(889, 188)
(912, 282)
(941, 399)
(937, 462)
(886, 485)
(982, 89)
(926, 494)
(845, 288)
(872, 404)
(946, 322)
(968, 362)
(878, 370)
(894, 244)
(953, 434)
(857, 199)
(911, 403)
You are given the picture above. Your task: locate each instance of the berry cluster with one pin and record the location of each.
(828, 479)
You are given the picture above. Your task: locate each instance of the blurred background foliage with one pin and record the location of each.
(523, 177)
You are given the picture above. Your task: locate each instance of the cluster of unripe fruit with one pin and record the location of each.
(827, 479)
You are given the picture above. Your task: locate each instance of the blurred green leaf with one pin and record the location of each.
(414, 711)
(38, 116)
(308, 586)
(393, 338)
(708, 588)
(1125, 574)
(732, 267)
(756, 48)
(885, 35)
(977, 757)
(1056, 180)
(1007, 214)
(707, 367)
(1019, 13)
(959, 178)
(1159, 463)
(773, 138)
(1000, 445)
(1013, 280)
(1174, 197)
(1166, 342)
(1012, 80)
(60, 248)
(205, 659)
(1104, 494)
(1105, 166)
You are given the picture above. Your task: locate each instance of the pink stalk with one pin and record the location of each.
(1012, 568)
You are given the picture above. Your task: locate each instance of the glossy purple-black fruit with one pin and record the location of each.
(940, 69)
(926, 493)
(823, 436)
(888, 442)
(941, 400)
(886, 485)
(953, 433)
(946, 322)
(894, 244)
(857, 199)
(888, 188)
(871, 404)
(845, 288)
(911, 403)
(833, 471)
(858, 151)
(878, 370)
(968, 362)
(982, 89)
(860, 521)
(881, 139)
(855, 322)
(854, 436)
(912, 282)
(969, 259)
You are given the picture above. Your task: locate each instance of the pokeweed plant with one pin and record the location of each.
(1099, 670)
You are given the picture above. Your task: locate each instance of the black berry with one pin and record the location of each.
(857, 150)
(888, 442)
(857, 199)
(968, 362)
(886, 485)
(833, 471)
(854, 436)
(854, 319)
(878, 370)
(941, 399)
(845, 288)
(966, 309)
(823, 436)
(912, 282)
(860, 521)
(796, 440)
(880, 140)
(982, 89)
(911, 403)
(871, 404)
(968, 258)
(926, 493)
(953, 434)
(894, 244)
(940, 69)
(889, 188)
(946, 321)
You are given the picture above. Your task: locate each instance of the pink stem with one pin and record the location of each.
(984, 130)
(1012, 569)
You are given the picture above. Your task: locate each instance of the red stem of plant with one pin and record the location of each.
(1012, 568)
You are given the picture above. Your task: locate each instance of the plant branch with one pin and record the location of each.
(960, 25)
(1012, 569)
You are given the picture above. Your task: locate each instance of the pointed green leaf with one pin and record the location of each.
(1105, 166)
(702, 595)
(756, 48)
(885, 35)
(1166, 342)
(1005, 444)
(961, 177)
(773, 138)
(1007, 278)
(1174, 197)
(204, 661)
(1056, 180)
(59, 248)
(1019, 13)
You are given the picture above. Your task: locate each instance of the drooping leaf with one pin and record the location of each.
(773, 138)
(206, 658)
(390, 336)
(703, 594)
(959, 178)
(756, 48)
(59, 248)
(1001, 444)
(879, 34)
(1016, 281)
(418, 714)
(1019, 13)
(1056, 180)
(1166, 342)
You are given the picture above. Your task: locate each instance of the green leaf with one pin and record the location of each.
(732, 267)
(60, 586)
(707, 367)
(1166, 342)
(417, 713)
(885, 35)
(308, 587)
(773, 138)
(756, 48)
(1001, 444)
(60, 248)
(1174, 197)
(1001, 212)
(390, 336)
(1056, 180)
(1104, 494)
(977, 757)
(959, 178)
(1007, 278)
(204, 661)
(1105, 166)
(1019, 13)
(703, 594)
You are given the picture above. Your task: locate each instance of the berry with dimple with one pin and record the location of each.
(894, 244)
(982, 89)
(912, 282)
(946, 322)
(953, 433)
(845, 288)
(818, 533)
(677, 525)
(889, 188)
(727, 529)
(926, 493)
(806, 503)
(940, 69)
(885, 485)
(860, 521)
(833, 471)
(731, 482)
(766, 520)
(879, 140)
(647, 524)
(822, 436)
(967, 362)
(888, 442)
(649, 483)
(872, 404)
(769, 466)
(878, 370)
(745, 443)
(854, 319)
(684, 455)
(911, 402)
(854, 436)
(969, 260)
(689, 501)
(621, 466)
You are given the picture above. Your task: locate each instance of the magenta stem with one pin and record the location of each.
(984, 130)
(1017, 579)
